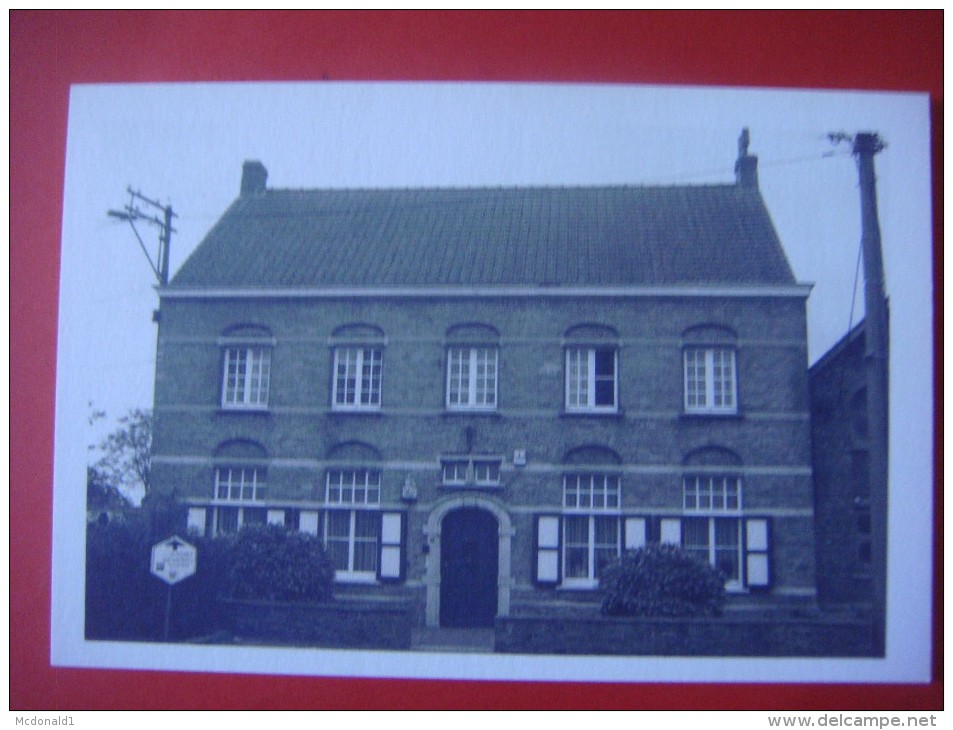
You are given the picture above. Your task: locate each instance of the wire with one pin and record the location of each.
(725, 172)
(853, 297)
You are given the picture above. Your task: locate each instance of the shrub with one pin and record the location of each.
(661, 580)
(125, 601)
(270, 563)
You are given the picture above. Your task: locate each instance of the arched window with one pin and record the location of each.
(715, 527)
(352, 515)
(710, 370)
(240, 487)
(592, 369)
(472, 367)
(246, 366)
(358, 352)
(592, 503)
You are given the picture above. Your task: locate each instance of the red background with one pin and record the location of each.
(50, 50)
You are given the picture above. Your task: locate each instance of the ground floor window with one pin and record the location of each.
(350, 537)
(240, 485)
(717, 541)
(352, 525)
(591, 538)
(229, 520)
(591, 542)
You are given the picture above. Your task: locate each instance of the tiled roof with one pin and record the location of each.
(718, 234)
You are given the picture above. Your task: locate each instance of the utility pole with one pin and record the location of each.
(876, 336)
(132, 213)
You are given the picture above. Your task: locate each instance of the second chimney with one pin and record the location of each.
(254, 177)
(746, 166)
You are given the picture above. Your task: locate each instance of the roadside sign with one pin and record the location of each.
(173, 560)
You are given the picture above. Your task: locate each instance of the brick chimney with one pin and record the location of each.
(746, 166)
(254, 177)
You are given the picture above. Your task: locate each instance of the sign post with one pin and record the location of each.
(173, 560)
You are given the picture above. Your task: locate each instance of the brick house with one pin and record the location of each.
(838, 384)
(477, 397)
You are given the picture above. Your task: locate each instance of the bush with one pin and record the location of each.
(125, 601)
(661, 580)
(270, 563)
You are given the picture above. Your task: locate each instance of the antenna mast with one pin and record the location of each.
(131, 212)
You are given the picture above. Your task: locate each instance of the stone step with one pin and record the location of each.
(453, 640)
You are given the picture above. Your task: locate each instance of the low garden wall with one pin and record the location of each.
(341, 624)
(723, 636)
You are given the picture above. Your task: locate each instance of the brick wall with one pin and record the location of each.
(348, 624)
(838, 414)
(726, 636)
(413, 430)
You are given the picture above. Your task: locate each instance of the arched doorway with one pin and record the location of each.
(469, 568)
(503, 530)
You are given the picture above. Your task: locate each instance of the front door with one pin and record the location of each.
(469, 561)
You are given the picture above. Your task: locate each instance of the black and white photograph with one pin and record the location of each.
(495, 381)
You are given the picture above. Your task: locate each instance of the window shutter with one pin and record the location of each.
(635, 533)
(392, 546)
(758, 553)
(670, 531)
(308, 522)
(196, 520)
(546, 536)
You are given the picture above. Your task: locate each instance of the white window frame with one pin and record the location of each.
(699, 391)
(343, 355)
(580, 394)
(591, 579)
(216, 521)
(450, 471)
(590, 495)
(734, 584)
(470, 387)
(256, 361)
(611, 491)
(718, 490)
(712, 497)
(248, 477)
(338, 483)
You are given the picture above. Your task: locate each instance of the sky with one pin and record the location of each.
(184, 145)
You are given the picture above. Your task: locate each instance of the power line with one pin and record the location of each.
(728, 172)
(132, 213)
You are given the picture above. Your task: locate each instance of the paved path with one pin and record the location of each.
(453, 640)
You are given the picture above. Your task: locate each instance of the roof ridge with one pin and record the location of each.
(499, 188)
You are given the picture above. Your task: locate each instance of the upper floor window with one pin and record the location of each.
(592, 365)
(710, 382)
(710, 371)
(357, 378)
(246, 376)
(472, 367)
(471, 378)
(591, 382)
(358, 351)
